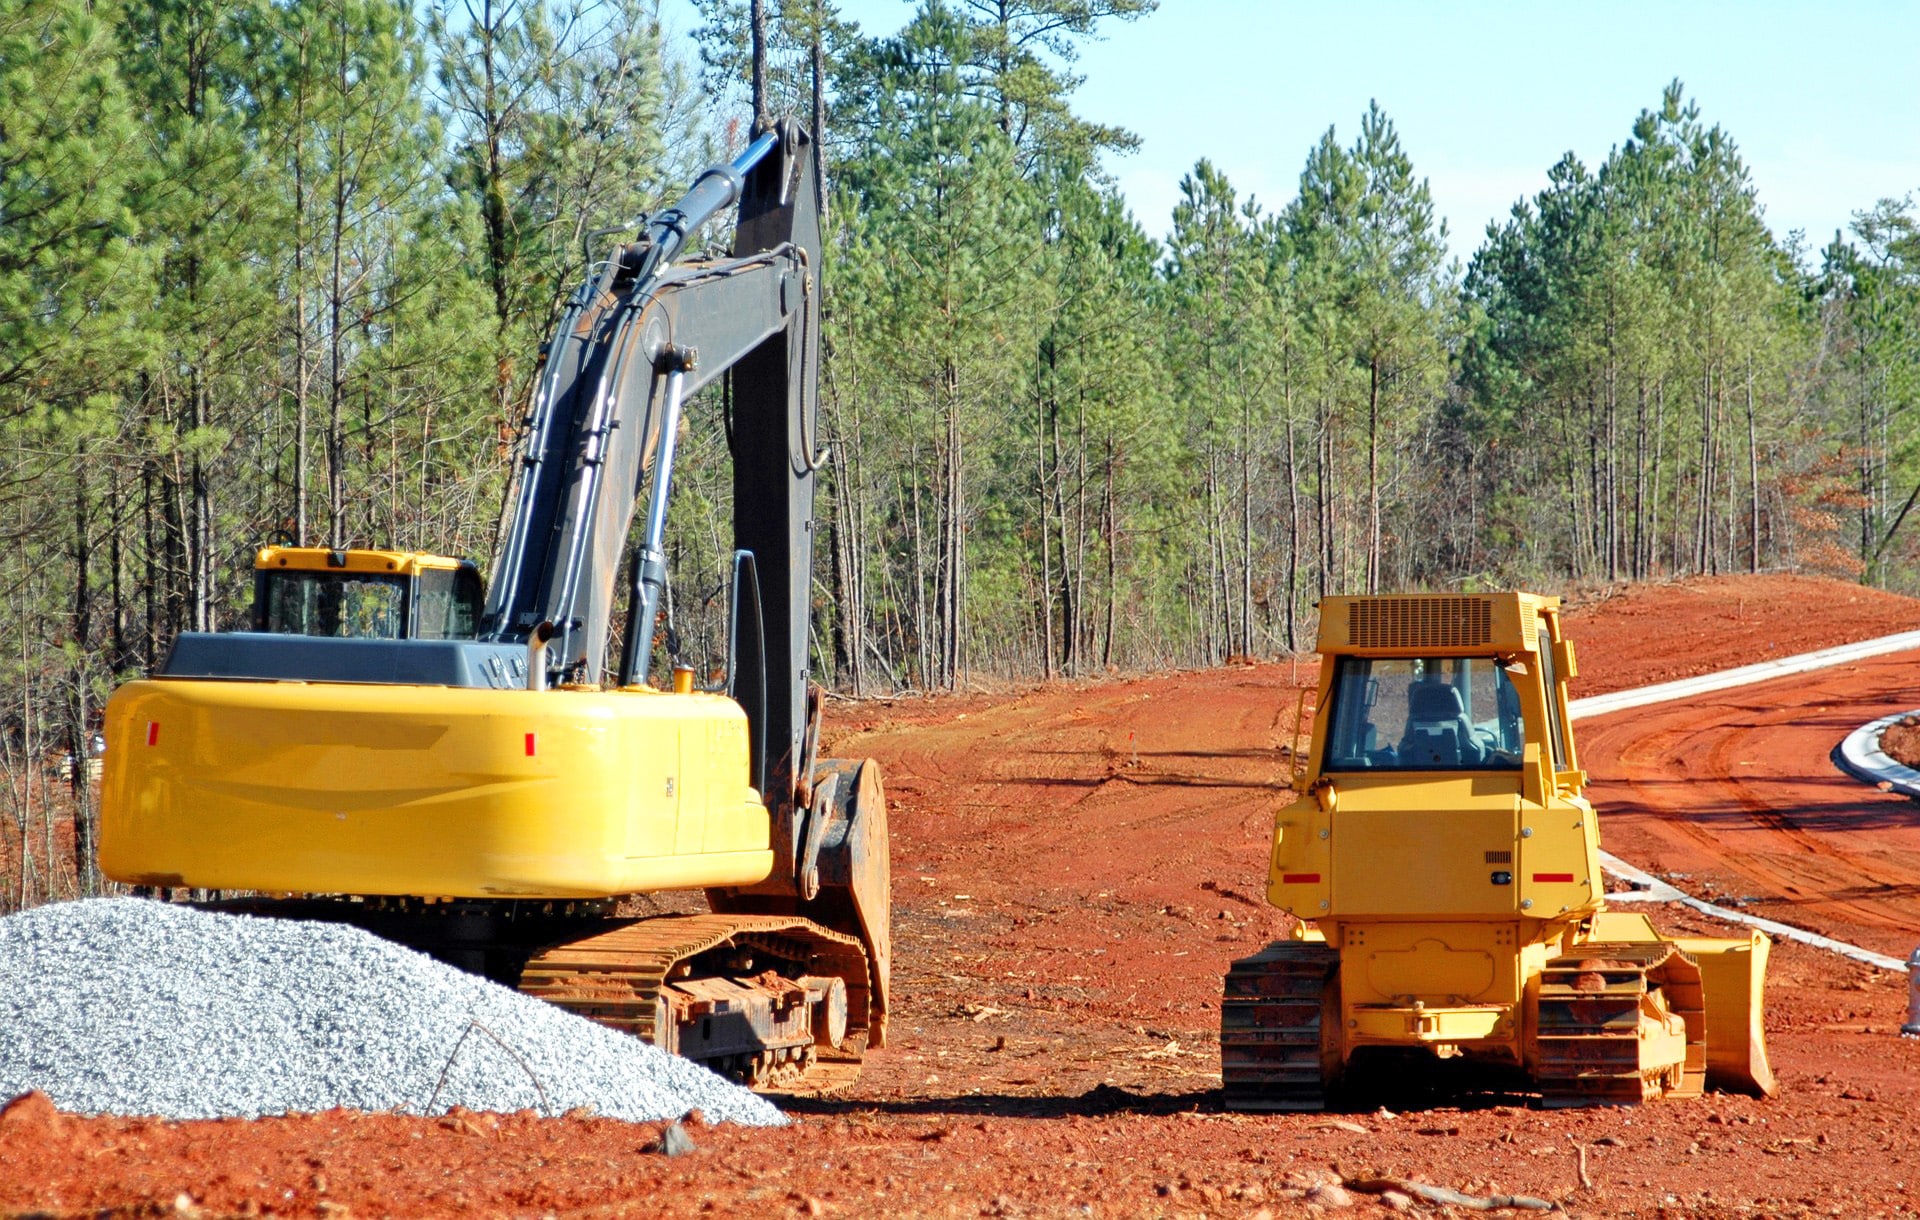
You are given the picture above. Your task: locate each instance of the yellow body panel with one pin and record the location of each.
(1426, 845)
(1440, 1026)
(320, 559)
(1441, 984)
(428, 791)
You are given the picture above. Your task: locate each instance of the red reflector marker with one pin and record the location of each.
(153, 732)
(1300, 878)
(529, 745)
(1568, 877)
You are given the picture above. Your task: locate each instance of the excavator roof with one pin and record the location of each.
(1431, 624)
(323, 559)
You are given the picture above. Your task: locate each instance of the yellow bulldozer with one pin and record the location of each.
(1443, 862)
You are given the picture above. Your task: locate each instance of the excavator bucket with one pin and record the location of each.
(1733, 973)
(856, 877)
(832, 866)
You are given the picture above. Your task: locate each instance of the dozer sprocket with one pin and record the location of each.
(1619, 1024)
(1279, 1028)
(633, 975)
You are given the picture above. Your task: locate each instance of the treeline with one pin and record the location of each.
(280, 271)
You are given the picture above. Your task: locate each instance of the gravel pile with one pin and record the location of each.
(127, 1006)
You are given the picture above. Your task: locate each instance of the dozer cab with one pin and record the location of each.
(1444, 865)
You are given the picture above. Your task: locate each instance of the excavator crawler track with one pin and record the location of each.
(624, 976)
(1600, 1021)
(1277, 1051)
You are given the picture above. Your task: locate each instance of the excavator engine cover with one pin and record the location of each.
(337, 788)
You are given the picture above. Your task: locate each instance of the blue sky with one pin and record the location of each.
(1822, 100)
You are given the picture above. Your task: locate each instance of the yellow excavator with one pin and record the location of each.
(1444, 865)
(484, 775)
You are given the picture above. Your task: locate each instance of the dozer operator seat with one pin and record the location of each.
(1438, 731)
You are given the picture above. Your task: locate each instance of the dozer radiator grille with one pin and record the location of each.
(1420, 622)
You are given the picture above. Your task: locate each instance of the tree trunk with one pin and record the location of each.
(762, 104)
(1373, 476)
(302, 375)
(336, 325)
(922, 629)
(1246, 524)
(1638, 568)
(1703, 526)
(952, 574)
(1293, 531)
(1111, 530)
(79, 703)
(1322, 496)
(1048, 662)
(1753, 479)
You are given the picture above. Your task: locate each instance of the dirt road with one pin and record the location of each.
(1074, 867)
(1734, 797)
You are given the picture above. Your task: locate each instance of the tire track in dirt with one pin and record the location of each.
(1764, 814)
(1827, 863)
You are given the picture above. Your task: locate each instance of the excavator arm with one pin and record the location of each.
(635, 341)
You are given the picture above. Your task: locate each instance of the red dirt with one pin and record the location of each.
(1074, 867)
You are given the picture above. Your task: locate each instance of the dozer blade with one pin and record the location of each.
(1733, 972)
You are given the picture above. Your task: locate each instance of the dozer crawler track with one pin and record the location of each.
(1277, 1049)
(776, 1002)
(1619, 1024)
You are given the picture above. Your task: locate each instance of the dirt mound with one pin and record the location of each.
(1900, 741)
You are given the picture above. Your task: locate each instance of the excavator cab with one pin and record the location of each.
(1443, 860)
(364, 594)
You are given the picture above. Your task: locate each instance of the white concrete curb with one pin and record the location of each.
(1686, 688)
(1648, 888)
(1860, 756)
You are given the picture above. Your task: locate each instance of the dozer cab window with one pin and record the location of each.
(361, 605)
(1557, 732)
(1430, 714)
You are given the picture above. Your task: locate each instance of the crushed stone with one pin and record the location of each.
(137, 1007)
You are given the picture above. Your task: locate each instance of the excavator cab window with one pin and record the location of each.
(1426, 714)
(449, 604)
(356, 605)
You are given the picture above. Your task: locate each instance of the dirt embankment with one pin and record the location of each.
(1074, 867)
